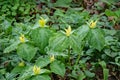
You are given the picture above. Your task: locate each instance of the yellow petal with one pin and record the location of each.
(93, 24)
(21, 64)
(68, 31)
(22, 38)
(36, 70)
(42, 22)
(52, 58)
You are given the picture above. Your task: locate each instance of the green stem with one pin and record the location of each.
(78, 59)
(69, 55)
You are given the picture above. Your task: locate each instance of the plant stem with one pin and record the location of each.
(79, 55)
(78, 59)
(69, 55)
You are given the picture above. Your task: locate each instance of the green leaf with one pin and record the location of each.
(81, 76)
(58, 68)
(75, 43)
(96, 39)
(42, 62)
(109, 32)
(82, 31)
(62, 3)
(2, 71)
(110, 2)
(10, 76)
(110, 53)
(43, 71)
(26, 51)
(18, 69)
(105, 73)
(11, 47)
(109, 12)
(117, 59)
(89, 74)
(41, 36)
(41, 77)
(59, 42)
(78, 75)
(103, 64)
(51, 52)
(117, 13)
(6, 24)
(112, 13)
(26, 74)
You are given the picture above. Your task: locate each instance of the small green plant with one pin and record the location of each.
(105, 70)
(115, 15)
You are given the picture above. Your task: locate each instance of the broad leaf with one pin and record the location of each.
(44, 71)
(96, 39)
(89, 74)
(11, 47)
(41, 77)
(26, 51)
(109, 12)
(41, 36)
(42, 62)
(59, 42)
(18, 69)
(58, 68)
(81, 76)
(75, 43)
(82, 31)
(26, 74)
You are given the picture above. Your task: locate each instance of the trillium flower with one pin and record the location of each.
(21, 64)
(52, 58)
(68, 31)
(42, 22)
(22, 38)
(36, 70)
(92, 24)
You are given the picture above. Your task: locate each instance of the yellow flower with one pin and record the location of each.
(21, 64)
(68, 31)
(36, 70)
(42, 22)
(22, 38)
(52, 58)
(92, 24)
